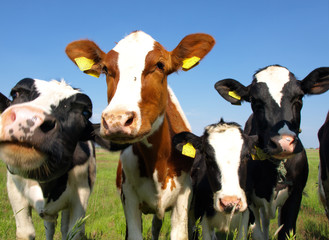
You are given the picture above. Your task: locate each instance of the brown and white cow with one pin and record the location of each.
(144, 111)
(44, 142)
(323, 136)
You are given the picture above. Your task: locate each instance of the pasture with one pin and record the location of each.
(106, 219)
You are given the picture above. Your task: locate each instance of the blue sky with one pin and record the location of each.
(249, 35)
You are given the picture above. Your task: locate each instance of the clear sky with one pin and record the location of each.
(249, 35)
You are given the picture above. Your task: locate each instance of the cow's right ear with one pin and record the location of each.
(232, 91)
(4, 102)
(87, 56)
(187, 144)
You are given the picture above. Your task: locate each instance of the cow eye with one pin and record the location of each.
(105, 70)
(160, 65)
(14, 94)
(86, 113)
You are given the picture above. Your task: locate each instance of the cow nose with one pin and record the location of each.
(230, 203)
(122, 123)
(19, 123)
(286, 142)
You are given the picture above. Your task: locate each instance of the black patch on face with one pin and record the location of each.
(24, 91)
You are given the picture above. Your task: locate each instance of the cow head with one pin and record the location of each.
(276, 101)
(225, 150)
(40, 129)
(136, 72)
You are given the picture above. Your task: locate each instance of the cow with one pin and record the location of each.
(280, 169)
(219, 177)
(323, 178)
(45, 135)
(144, 112)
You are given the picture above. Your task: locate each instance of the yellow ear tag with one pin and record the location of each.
(84, 63)
(189, 150)
(260, 155)
(94, 74)
(190, 62)
(233, 94)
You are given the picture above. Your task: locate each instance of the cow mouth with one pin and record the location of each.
(21, 156)
(124, 139)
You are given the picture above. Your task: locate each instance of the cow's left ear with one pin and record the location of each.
(4, 102)
(232, 91)
(190, 51)
(187, 144)
(316, 82)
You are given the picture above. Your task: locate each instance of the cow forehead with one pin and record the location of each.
(132, 52)
(227, 143)
(52, 93)
(275, 77)
(133, 49)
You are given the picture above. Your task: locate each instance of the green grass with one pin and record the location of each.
(106, 219)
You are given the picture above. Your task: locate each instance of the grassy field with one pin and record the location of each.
(106, 218)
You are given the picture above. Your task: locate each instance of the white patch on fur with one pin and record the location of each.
(227, 143)
(51, 93)
(178, 107)
(275, 78)
(132, 51)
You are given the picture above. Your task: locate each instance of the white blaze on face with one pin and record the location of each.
(51, 93)
(227, 144)
(275, 78)
(132, 52)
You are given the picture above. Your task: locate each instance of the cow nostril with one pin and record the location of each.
(48, 125)
(130, 120)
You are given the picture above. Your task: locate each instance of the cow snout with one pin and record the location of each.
(19, 123)
(230, 203)
(285, 145)
(118, 124)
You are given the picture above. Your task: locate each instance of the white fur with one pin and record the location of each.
(51, 93)
(149, 192)
(131, 63)
(227, 144)
(24, 193)
(275, 77)
(178, 107)
(264, 211)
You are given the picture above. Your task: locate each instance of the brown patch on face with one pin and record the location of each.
(154, 87)
(112, 73)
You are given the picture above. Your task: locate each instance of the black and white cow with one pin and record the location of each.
(276, 100)
(44, 142)
(219, 177)
(323, 136)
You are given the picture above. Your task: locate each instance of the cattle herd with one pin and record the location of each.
(228, 178)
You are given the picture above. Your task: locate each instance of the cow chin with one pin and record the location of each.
(21, 156)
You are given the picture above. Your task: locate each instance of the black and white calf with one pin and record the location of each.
(219, 177)
(323, 136)
(276, 100)
(44, 141)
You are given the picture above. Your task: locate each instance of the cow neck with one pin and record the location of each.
(154, 154)
(157, 154)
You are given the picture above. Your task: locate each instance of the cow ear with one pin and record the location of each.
(4, 102)
(190, 51)
(187, 144)
(87, 56)
(232, 91)
(316, 82)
